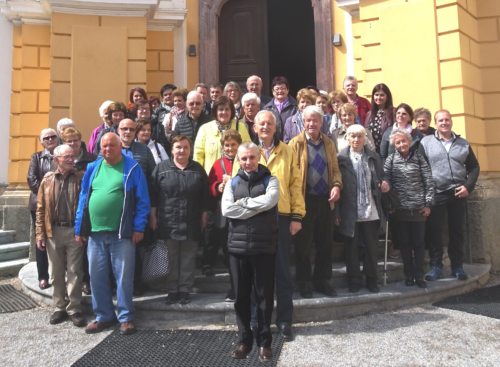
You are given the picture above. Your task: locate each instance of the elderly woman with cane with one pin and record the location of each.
(409, 175)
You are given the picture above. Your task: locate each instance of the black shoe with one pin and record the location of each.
(208, 271)
(184, 298)
(326, 288)
(421, 283)
(58, 317)
(373, 287)
(354, 288)
(77, 319)
(409, 282)
(286, 331)
(172, 298)
(305, 290)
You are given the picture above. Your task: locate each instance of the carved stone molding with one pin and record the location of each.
(161, 14)
(209, 46)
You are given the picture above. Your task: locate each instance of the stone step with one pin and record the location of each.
(219, 283)
(7, 236)
(12, 267)
(13, 251)
(210, 308)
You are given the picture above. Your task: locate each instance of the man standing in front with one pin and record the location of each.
(112, 212)
(455, 170)
(55, 215)
(321, 186)
(249, 201)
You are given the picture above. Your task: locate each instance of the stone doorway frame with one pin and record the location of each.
(209, 47)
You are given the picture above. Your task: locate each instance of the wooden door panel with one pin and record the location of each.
(243, 47)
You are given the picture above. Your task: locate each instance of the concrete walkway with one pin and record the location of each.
(416, 336)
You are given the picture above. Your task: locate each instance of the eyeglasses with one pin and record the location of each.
(131, 129)
(51, 137)
(194, 104)
(279, 89)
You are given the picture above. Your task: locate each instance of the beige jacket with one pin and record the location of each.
(299, 148)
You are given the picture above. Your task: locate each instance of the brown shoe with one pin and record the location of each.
(127, 328)
(98, 326)
(241, 351)
(265, 354)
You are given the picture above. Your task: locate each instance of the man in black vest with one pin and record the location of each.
(249, 201)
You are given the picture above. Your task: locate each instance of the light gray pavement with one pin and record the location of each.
(416, 336)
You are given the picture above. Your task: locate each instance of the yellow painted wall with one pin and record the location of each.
(193, 29)
(339, 52)
(160, 60)
(97, 58)
(30, 96)
(395, 44)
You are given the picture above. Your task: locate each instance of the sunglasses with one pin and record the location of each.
(51, 137)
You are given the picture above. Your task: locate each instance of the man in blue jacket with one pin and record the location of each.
(112, 212)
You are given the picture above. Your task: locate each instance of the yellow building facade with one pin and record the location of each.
(69, 56)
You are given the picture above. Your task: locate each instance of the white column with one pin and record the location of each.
(180, 56)
(349, 43)
(5, 92)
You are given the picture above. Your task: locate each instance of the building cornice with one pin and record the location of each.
(351, 6)
(161, 14)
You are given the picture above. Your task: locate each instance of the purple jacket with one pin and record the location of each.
(93, 138)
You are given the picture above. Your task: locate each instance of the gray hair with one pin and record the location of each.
(350, 78)
(262, 112)
(255, 77)
(194, 93)
(104, 106)
(355, 129)
(248, 146)
(250, 96)
(399, 132)
(64, 123)
(232, 84)
(45, 131)
(311, 110)
(60, 148)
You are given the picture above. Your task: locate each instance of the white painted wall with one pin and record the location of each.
(5, 91)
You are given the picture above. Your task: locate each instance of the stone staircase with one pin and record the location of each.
(13, 255)
(208, 306)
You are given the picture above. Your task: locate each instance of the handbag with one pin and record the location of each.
(155, 261)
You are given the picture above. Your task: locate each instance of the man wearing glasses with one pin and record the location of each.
(55, 215)
(190, 122)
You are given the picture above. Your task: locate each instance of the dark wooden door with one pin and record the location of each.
(243, 42)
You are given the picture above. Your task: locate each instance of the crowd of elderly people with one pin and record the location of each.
(343, 164)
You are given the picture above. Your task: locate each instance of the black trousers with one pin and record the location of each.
(411, 239)
(366, 234)
(253, 273)
(317, 228)
(42, 261)
(455, 209)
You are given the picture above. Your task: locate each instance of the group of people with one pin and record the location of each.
(255, 176)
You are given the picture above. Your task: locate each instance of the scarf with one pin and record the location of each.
(363, 195)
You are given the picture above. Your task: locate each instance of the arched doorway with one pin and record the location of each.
(210, 11)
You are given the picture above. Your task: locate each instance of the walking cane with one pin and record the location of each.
(385, 252)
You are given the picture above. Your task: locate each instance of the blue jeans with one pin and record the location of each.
(106, 253)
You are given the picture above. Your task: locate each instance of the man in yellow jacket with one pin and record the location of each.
(279, 159)
(321, 186)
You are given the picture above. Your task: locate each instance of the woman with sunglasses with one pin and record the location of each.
(41, 163)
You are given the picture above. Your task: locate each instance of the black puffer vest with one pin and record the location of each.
(258, 234)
